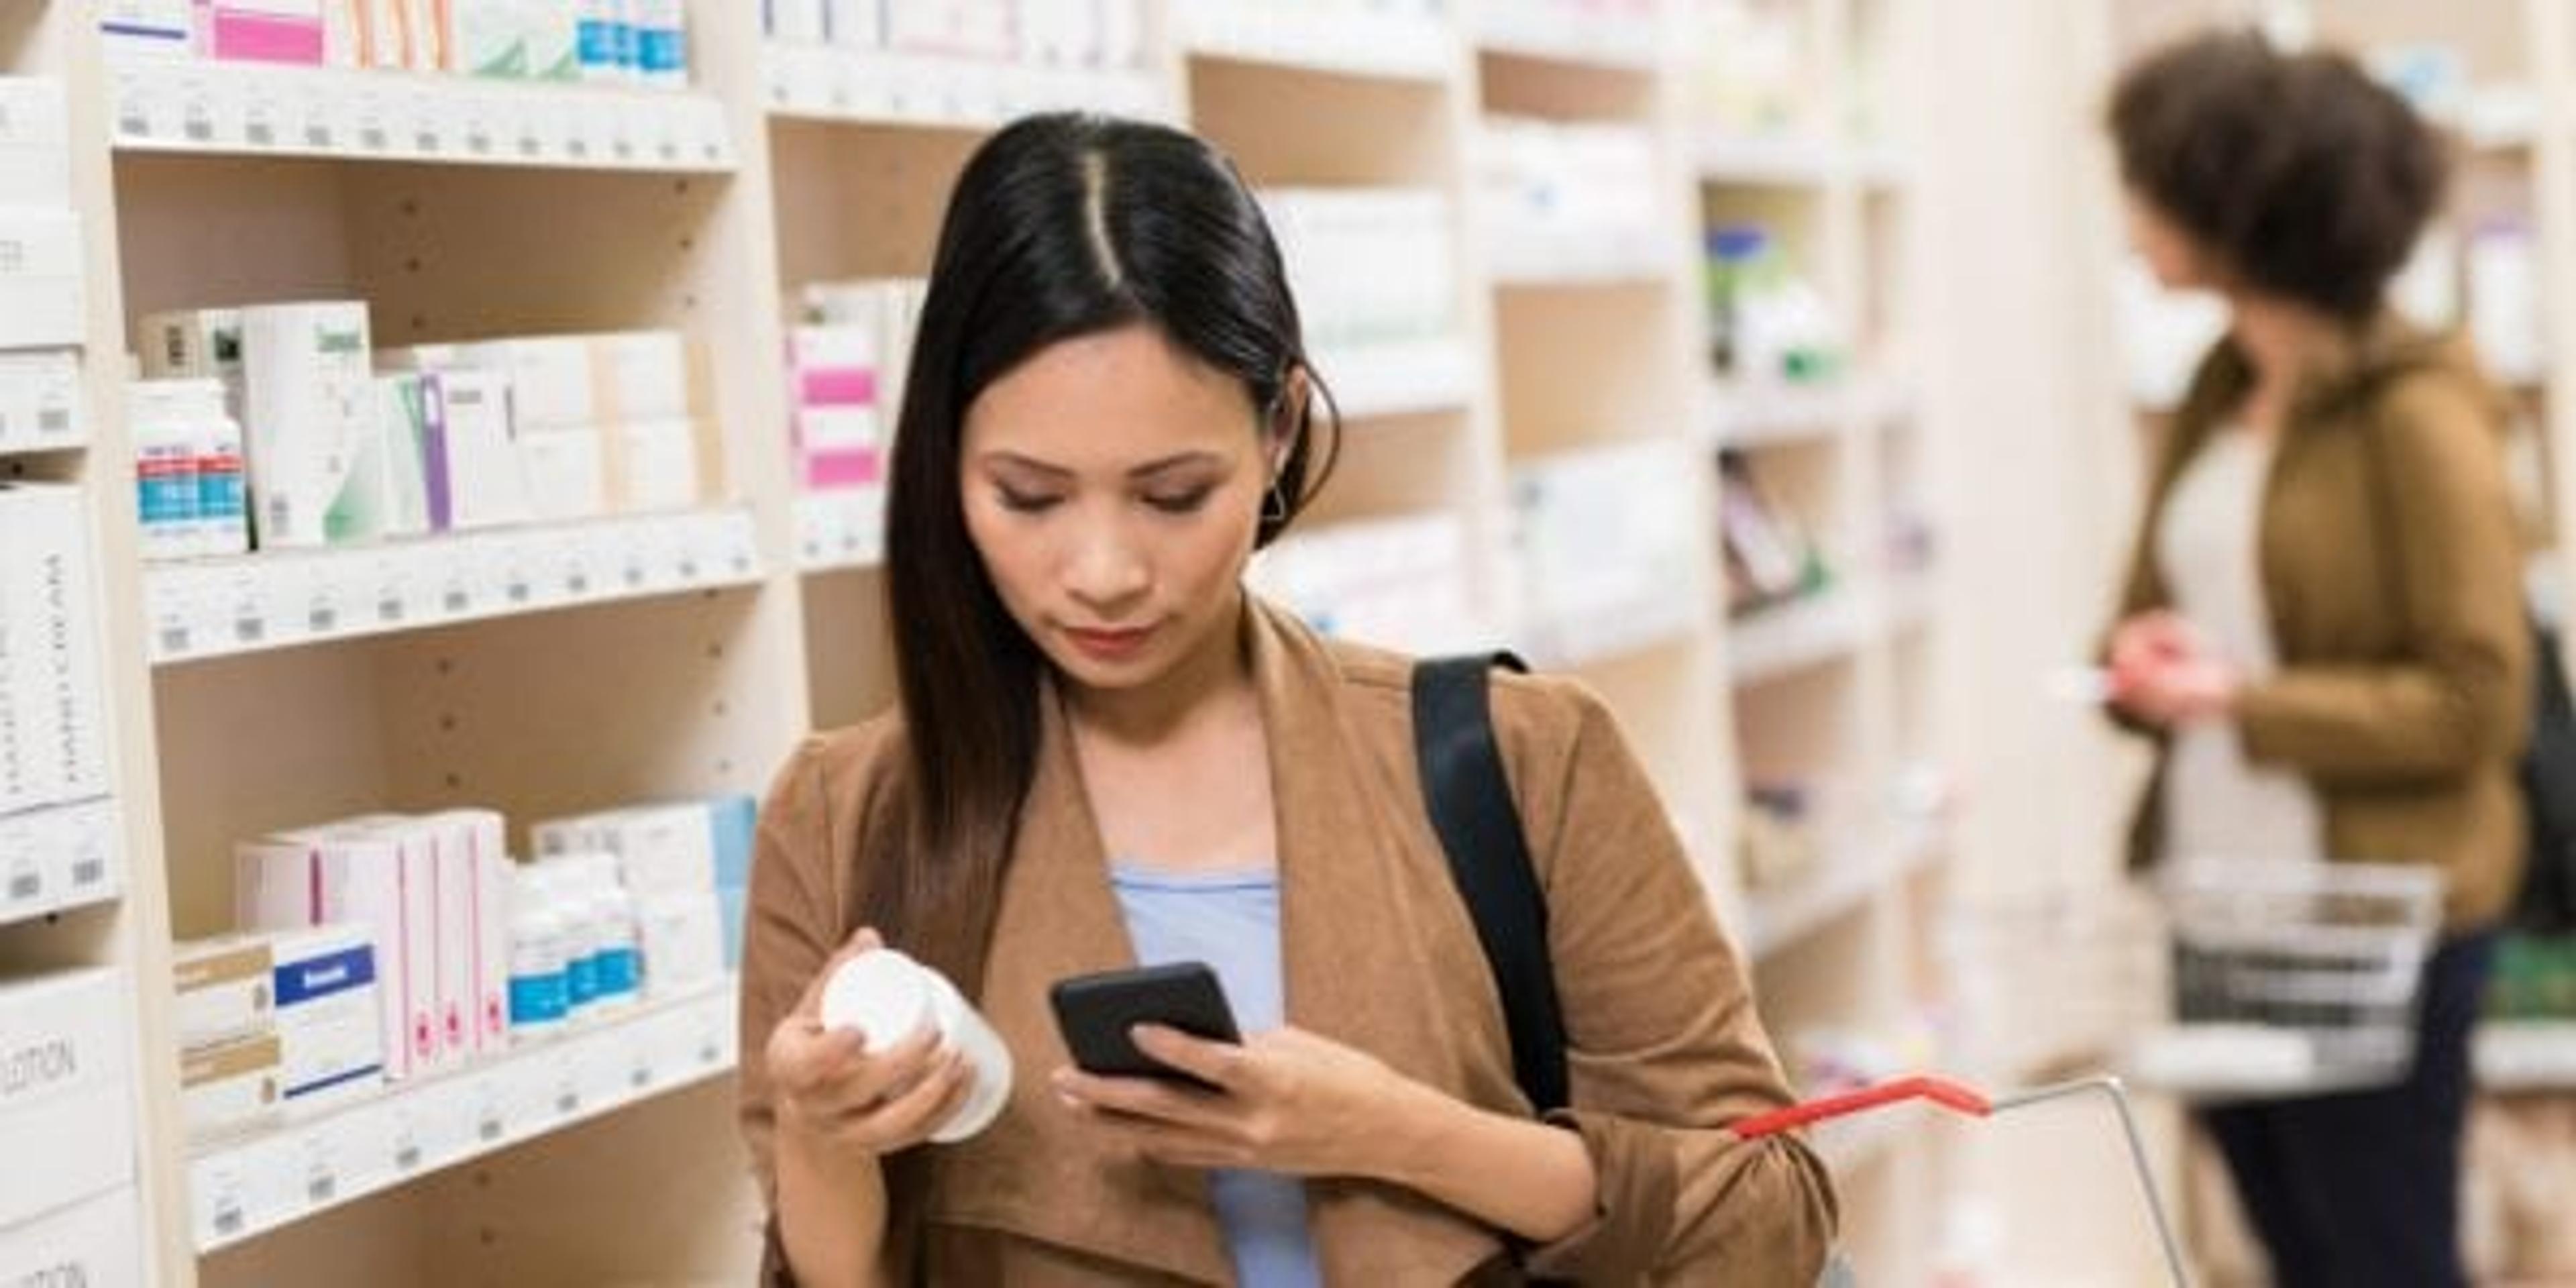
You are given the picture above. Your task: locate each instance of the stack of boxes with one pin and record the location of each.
(1369, 266)
(685, 865)
(40, 281)
(623, 42)
(444, 438)
(1101, 34)
(277, 1022)
(846, 362)
(54, 772)
(69, 1212)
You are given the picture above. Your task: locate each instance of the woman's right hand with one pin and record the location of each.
(843, 1100)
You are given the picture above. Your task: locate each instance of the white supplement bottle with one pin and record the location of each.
(888, 997)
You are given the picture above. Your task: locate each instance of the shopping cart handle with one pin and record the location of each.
(1939, 1091)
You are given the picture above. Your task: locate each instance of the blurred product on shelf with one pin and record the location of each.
(1752, 71)
(53, 698)
(1768, 324)
(1369, 266)
(2534, 978)
(40, 402)
(276, 1022)
(1603, 540)
(1770, 556)
(1398, 583)
(1780, 841)
(1043, 33)
(35, 143)
(67, 1107)
(625, 42)
(423, 440)
(43, 299)
(846, 359)
(2503, 273)
(1566, 198)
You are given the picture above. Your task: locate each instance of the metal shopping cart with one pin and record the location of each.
(1964, 1100)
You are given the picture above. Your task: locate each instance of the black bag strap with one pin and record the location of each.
(1470, 802)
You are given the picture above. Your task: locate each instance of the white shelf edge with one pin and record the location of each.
(1380, 48)
(866, 87)
(1771, 162)
(2525, 1055)
(281, 599)
(1842, 885)
(60, 857)
(1399, 378)
(839, 531)
(1779, 641)
(13, 448)
(1567, 263)
(200, 107)
(1746, 414)
(246, 1186)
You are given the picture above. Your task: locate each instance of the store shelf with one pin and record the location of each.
(1578, 261)
(1769, 162)
(2526, 1055)
(1774, 642)
(1560, 33)
(60, 858)
(1386, 42)
(822, 83)
(273, 600)
(1395, 379)
(839, 530)
(247, 1186)
(1842, 885)
(162, 105)
(1770, 414)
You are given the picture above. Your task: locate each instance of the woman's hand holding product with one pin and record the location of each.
(2164, 672)
(847, 1099)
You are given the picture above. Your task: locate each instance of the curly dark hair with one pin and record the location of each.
(2299, 173)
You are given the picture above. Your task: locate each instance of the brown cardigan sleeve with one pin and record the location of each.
(1665, 1049)
(2457, 697)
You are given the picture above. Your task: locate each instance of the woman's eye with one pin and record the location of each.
(1025, 502)
(1180, 502)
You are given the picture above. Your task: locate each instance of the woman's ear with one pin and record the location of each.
(1290, 417)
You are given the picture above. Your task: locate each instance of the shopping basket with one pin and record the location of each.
(1962, 1099)
(2289, 978)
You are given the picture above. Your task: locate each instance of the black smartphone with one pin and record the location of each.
(1096, 1012)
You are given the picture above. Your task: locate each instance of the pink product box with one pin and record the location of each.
(262, 31)
(840, 447)
(324, 875)
(836, 387)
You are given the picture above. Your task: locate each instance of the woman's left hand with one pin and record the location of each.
(1287, 1101)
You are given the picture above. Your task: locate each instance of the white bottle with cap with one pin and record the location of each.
(889, 997)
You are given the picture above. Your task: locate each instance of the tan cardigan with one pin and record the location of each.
(2393, 575)
(1379, 953)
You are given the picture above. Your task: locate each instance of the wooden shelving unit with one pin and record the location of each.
(683, 655)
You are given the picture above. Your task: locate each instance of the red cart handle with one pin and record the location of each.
(1939, 1091)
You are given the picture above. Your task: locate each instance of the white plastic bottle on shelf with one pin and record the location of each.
(607, 47)
(616, 956)
(223, 504)
(164, 433)
(540, 958)
(661, 43)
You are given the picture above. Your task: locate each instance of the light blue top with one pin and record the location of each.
(1231, 922)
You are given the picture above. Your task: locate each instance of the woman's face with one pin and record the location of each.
(2177, 261)
(1113, 485)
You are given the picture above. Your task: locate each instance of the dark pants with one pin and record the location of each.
(2363, 1189)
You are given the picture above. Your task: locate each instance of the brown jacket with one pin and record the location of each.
(2393, 574)
(1379, 953)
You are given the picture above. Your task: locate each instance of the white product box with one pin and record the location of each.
(307, 397)
(190, 344)
(400, 35)
(641, 376)
(35, 143)
(657, 467)
(41, 300)
(960, 28)
(63, 1092)
(323, 875)
(40, 400)
(264, 31)
(661, 849)
(95, 1243)
(795, 22)
(330, 1013)
(567, 473)
(682, 936)
(389, 485)
(158, 28)
(474, 463)
(851, 24)
(550, 378)
(474, 853)
(225, 988)
(232, 1085)
(554, 39)
(450, 845)
(490, 38)
(51, 672)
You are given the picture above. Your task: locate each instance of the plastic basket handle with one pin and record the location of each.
(1939, 1091)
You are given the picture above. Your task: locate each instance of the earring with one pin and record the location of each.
(1274, 506)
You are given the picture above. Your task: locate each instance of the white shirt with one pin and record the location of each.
(2217, 805)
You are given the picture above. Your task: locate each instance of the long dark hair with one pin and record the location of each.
(1061, 226)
